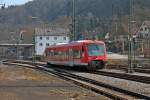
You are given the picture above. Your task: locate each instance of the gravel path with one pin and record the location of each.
(18, 83)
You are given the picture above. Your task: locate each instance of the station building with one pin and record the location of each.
(45, 37)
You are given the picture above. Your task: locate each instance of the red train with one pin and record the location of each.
(90, 54)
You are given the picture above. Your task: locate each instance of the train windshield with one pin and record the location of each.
(95, 49)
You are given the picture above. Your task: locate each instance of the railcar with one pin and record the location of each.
(87, 53)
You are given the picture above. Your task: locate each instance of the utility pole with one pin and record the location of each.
(149, 48)
(130, 51)
(34, 47)
(74, 19)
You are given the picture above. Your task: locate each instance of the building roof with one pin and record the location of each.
(20, 45)
(87, 41)
(147, 23)
(51, 31)
(143, 33)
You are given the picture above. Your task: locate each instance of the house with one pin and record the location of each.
(45, 37)
(144, 31)
(143, 37)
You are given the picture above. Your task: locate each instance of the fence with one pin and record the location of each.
(132, 53)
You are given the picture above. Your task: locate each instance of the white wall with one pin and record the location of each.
(41, 48)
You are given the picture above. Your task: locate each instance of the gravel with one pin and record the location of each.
(120, 83)
(18, 83)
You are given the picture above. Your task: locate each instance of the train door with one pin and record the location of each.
(84, 56)
(71, 61)
(77, 55)
(82, 53)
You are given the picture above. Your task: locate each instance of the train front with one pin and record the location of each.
(96, 55)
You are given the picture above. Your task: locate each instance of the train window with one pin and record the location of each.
(95, 49)
(76, 54)
(67, 54)
(60, 53)
(56, 53)
(63, 55)
(70, 52)
(52, 53)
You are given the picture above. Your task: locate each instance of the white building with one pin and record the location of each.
(45, 37)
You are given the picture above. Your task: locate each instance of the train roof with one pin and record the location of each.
(87, 41)
(73, 43)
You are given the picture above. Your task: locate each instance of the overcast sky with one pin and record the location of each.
(13, 2)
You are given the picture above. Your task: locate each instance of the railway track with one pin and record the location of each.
(109, 91)
(141, 70)
(124, 68)
(118, 67)
(136, 78)
(131, 77)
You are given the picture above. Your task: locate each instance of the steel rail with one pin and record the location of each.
(141, 70)
(141, 96)
(131, 77)
(124, 68)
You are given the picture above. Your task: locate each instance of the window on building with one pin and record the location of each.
(41, 38)
(141, 29)
(47, 38)
(55, 38)
(64, 38)
(145, 28)
(40, 44)
(146, 35)
(47, 44)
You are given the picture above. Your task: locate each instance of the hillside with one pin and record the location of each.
(46, 11)
(49, 10)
